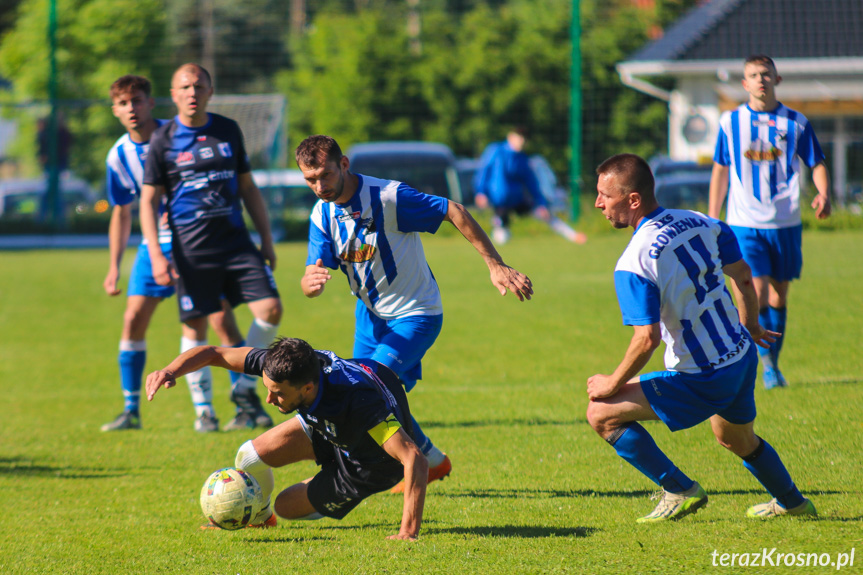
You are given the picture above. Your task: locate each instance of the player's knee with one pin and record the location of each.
(598, 416)
(271, 312)
(293, 503)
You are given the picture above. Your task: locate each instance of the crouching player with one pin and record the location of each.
(352, 419)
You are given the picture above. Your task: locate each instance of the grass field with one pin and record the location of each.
(533, 489)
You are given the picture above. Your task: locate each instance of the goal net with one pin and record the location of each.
(262, 119)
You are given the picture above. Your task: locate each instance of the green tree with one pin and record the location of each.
(97, 41)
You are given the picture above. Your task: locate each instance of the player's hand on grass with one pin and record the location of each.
(763, 337)
(110, 283)
(159, 379)
(822, 207)
(315, 278)
(506, 278)
(403, 537)
(600, 386)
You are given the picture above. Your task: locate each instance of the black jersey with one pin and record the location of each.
(351, 400)
(198, 168)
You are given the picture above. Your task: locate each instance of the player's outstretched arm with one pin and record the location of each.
(148, 212)
(718, 190)
(821, 203)
(233, 358)
(747, 302)
(119, 230)
(503, 277)
(315, 278)
(401, 447)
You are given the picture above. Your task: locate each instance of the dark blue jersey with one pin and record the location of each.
(351, 401)
(198, 167)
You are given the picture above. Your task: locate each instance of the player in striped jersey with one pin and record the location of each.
(369, 229)
(671, 288)
(133, 105)
(759, 150)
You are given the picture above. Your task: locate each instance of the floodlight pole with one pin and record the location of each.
(575, 112)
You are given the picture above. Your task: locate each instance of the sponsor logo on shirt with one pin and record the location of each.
(768, 123)
(202, 138)
(346, 217)
(216, 175)
(206, 153)
(225, 150)
(761, 151)
(185, 159)
(358, 252)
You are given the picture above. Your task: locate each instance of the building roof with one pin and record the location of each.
(784, 29)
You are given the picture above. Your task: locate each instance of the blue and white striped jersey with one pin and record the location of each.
(374, 239)
(763, 151)
(671, 273)
(125, 174)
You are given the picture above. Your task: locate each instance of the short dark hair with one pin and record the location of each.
(293, 361)
(130, 83)
(315, 151)
(633, 174)
(760, 59)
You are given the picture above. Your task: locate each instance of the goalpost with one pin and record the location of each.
(262, 119)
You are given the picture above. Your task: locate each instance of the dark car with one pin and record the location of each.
(26, 199)
(685, 190)
(428, 167)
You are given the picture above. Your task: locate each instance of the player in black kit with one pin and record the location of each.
(198, 162)
(353, 420)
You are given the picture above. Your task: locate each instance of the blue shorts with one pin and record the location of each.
(683, 400)
(141, 280)
(399, 344)
(774, 253)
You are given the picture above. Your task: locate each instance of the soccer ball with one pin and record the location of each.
(231, 498)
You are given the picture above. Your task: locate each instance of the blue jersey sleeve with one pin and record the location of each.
(638, 298)
(321, 245)
(528, 178)
(722, 155)
(808, 147)
(418, 212)
(729, 248)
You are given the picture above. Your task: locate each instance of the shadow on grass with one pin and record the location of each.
(533, 493)
(20, 467)
(500, 422)
(518, 531)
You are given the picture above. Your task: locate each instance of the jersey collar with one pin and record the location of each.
(651, 216)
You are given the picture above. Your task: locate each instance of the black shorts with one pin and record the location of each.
(342, 483)
(521, 209)
(241, 277)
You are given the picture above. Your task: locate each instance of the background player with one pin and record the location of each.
(198, 161)
(353, 421)
(760, 144)
(671, 288)
(132, 105)
(505, 180)
(369, 228)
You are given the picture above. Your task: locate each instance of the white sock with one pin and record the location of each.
(435, 456)
(200, 382)
(561, 228)
(248, 460)
(261, 333)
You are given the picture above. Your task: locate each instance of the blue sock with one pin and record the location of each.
(768, 469)
(635, 445)
(778, 316)
(423, 442)
(766, 322)
(131, 372)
